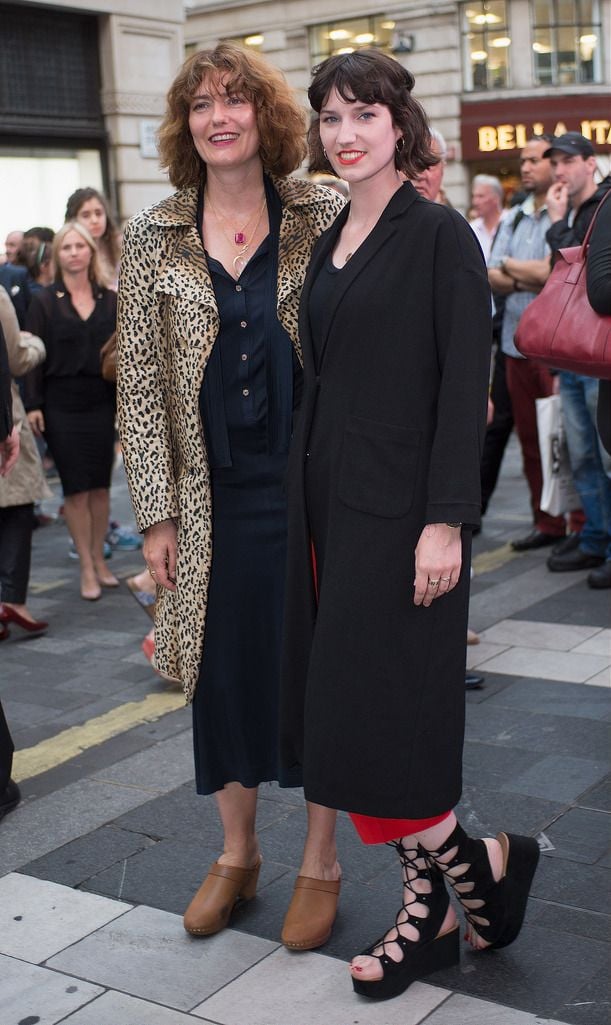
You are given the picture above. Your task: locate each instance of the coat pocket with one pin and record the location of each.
(378, 467)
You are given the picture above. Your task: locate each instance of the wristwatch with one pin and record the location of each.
(454, 524)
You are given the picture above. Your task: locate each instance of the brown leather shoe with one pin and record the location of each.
(211, 907)
(311, 913)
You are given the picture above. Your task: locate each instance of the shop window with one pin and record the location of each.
(486, 45)
(566, 41)
(355, 34)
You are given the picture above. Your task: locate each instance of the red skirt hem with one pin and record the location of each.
(376, 830)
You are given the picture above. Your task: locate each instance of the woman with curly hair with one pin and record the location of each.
(209, 373)
(384, 485)
(91, 209)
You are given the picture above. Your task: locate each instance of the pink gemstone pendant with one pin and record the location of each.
(239, 238)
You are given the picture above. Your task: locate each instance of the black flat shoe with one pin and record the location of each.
(567, 544)
(431, 951)
(536, 539)
(570, 562)
(600, 578)
(9, 798)
(473, 682)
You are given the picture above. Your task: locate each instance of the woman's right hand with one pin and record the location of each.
(36, 421)
(159, 552)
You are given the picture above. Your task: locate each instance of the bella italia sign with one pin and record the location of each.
(503, 137)
(502, 127)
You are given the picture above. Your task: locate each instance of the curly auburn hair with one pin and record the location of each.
(281, 122)
(94, 272)
(372, 77)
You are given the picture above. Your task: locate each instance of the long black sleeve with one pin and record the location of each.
(6, 404)
(598, 268)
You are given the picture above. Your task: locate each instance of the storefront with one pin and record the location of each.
(494, 131)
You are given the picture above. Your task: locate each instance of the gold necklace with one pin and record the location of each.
(239, 237)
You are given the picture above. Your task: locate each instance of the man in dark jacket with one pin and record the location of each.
(9, 450)
(571, 203)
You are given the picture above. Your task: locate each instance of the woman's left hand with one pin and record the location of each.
(438, 562)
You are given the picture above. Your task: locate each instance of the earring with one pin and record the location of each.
(398, 148)
(325, 153)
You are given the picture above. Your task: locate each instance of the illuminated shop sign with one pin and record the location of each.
(503, 127)
(506, 137)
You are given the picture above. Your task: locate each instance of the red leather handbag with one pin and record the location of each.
(560, 327)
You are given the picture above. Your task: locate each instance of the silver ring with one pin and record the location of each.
(445, 578)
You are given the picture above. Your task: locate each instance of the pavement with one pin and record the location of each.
(101, 858)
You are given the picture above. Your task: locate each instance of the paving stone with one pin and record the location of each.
(549, 665)
(478, 653)
(32, 994)
(461, 1010)
(87, 856)
(311, 989)
(495, 766)
(580, 835)
(39, 918)
(163, 768)
(484, 811)
(541, 972)
(119, 1009)
(148, 954)
(592, 1004)
(557, 778)
(37, 828)
(570, 699)
(560, 881)
(598, 644)
(570, 921)
(598, 797)
(578, 605)
(600, 680)
(489, 722)
(515, 596)
(523, 633)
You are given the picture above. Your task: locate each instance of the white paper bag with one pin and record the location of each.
(558, 494)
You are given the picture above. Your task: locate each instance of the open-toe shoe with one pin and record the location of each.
(424, 912)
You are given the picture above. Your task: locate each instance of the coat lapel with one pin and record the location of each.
(385, 229)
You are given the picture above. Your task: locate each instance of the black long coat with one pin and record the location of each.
(388, 438)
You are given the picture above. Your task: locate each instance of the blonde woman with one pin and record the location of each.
(68, 400)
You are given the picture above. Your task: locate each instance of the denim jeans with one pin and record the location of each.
(590, 464)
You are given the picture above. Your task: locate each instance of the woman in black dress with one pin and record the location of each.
(69, 402)
(384, 473)
(208, 375)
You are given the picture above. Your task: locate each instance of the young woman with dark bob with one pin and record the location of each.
(383, 488)
(209, 371)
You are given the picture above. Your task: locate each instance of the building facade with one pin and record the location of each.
(489, 74)
(82, 90)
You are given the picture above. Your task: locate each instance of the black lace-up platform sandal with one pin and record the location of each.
(494, 910)
(425, 912)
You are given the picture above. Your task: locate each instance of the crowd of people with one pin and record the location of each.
(314, 396)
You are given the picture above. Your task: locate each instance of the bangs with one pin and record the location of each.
(352, 85)
(361, 76)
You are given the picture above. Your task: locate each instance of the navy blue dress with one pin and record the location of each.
(246, 405)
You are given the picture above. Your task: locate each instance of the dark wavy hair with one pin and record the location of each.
(110, 240)
(372, 77)
(281, 122)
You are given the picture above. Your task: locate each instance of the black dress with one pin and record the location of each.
(78, 405)
(246, 405)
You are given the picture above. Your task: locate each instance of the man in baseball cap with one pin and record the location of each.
(572, 143)
(571, 203)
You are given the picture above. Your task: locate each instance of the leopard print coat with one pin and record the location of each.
(167, 324)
